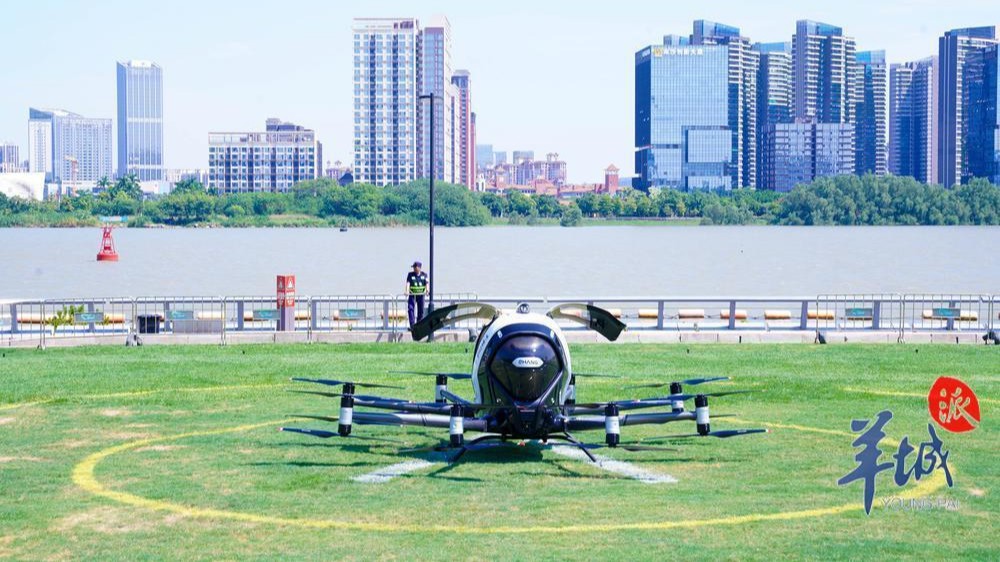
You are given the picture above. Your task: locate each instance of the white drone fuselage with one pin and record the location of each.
(526, 366)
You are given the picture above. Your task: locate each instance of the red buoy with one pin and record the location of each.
(107, 252)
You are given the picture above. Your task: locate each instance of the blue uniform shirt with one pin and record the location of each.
(416, 282)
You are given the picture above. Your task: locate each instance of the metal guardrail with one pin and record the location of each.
(215, 317)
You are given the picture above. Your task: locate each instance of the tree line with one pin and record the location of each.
(841, 200)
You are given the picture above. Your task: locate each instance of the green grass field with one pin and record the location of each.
(146, 453)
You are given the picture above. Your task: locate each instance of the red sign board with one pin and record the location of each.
(286, 291)
(953, 405)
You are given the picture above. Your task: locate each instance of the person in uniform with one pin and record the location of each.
(416, 287)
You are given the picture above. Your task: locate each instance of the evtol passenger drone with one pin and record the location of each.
(524, 386)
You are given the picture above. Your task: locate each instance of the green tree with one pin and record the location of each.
(587, 203)
(185, 208)
(571, 216)
(497, 205)
(188, 186)
(547, 206)
(520, 203)
(128, 186)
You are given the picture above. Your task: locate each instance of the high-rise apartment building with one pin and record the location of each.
(552, 169)
(519, 156)
(387, 81)
(463, 155)
(955, 49)
(802, 151)
(395, 62)
(871, 142)
(274, 160)
(40, 140)
(774, 98)
(140, 120)
(10, 157)
(823, 61)
(913, 119)
(436, 68)
(682, 134)
(69, 148)
(743, 63)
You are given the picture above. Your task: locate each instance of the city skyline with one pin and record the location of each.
(222, 78)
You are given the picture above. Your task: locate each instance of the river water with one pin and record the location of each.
(506, 261)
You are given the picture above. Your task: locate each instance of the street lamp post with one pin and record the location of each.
(430, 291)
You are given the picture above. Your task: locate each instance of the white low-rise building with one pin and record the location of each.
(23, 185)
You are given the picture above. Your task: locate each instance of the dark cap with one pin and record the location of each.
(417, 264)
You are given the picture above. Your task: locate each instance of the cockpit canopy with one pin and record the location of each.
(525, 365)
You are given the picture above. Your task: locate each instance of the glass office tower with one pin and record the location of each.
(983, 143)
(802, 151)
(954, 50)
(682, 134)
(870, 145)
(743, 63)
(822, 71)
(913, 119)
(140, 120)
(774, 98)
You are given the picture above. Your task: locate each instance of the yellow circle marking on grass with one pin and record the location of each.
(83, 476)
(134, 393)
(906, 394)
(16, 405)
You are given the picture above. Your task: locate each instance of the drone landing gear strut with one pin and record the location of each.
(474, 442)
(566, 437)
(573, 441)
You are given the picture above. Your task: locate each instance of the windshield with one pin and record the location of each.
(525, 366)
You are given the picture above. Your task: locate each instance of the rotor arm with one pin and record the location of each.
(410, 407)
(629, 405)
(597, 422)
(426, 420)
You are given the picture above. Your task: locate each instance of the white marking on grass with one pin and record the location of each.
(387, 473)
(616, 466)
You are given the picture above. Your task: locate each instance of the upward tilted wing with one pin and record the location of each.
(597, 319)
(451, 314)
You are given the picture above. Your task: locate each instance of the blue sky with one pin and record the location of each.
(548, 76)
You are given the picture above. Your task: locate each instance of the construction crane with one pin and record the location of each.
(74, 167)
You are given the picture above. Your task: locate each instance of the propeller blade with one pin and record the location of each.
(332, 382)
(655, 401)
(721, 434)
(338, 394)
(320, 418)
(316, 392)
(456, 376)
(687, 382)
(690, 396)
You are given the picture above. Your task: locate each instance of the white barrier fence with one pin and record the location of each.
(41, 320)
